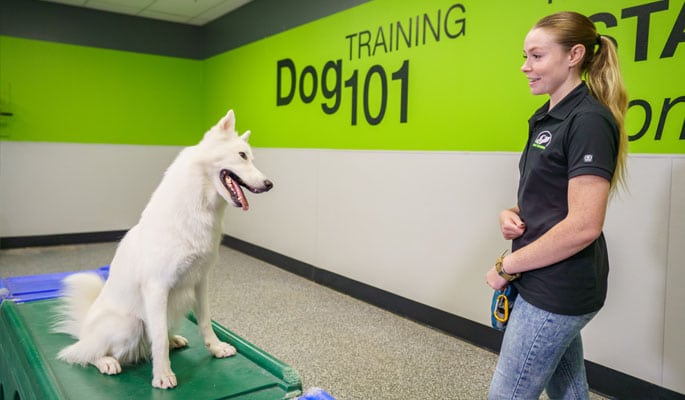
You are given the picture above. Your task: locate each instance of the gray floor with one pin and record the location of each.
(352, 350)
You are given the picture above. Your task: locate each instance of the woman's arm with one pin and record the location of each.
(588, 196)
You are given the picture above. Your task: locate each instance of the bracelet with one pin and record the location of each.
(500, 269)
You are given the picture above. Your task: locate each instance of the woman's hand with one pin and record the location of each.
(511, 224)
(495, 281)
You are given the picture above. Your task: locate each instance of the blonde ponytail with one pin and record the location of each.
(604, 78)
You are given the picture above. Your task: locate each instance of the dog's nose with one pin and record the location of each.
(268, 184)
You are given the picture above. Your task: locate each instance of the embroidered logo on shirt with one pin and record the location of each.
(542, 140)
(587, 158)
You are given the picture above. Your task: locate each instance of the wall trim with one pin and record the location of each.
(81, 26)
(15, 242)
(64, 23)
(603, 380)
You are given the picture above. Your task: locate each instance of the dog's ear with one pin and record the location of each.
(245, 136)
(227, 123)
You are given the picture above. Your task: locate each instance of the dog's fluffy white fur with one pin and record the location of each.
(159, 270)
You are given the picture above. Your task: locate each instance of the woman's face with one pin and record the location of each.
(548, 66)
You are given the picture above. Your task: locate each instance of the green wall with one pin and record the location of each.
(68, 93)
(396, 75)
(464, 88)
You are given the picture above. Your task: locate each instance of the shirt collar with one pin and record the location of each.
(565, 106)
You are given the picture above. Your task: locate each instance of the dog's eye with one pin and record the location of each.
(243, 155)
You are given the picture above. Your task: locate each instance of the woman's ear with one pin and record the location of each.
(576, 55)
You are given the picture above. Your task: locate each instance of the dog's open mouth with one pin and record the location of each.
(232, 183)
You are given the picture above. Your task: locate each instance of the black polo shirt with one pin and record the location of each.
(578, 137)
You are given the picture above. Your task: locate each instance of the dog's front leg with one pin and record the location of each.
(156, 298)
(218, 348)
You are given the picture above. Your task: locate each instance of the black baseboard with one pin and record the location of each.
(463, 328)
(622, 386)
(603, 380)
(61, 239)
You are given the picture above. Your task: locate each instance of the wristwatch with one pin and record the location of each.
(501, 272)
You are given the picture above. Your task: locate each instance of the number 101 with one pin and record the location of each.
(307, 86)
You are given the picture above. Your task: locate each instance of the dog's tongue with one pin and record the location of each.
(241, 196)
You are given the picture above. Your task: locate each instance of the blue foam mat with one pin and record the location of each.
(315, 394)
(21, 289)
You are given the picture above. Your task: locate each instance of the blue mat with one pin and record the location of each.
(315, 394)
(21, 289)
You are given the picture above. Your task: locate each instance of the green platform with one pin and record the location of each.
(30, 370)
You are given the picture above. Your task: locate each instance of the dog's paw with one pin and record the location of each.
(166, 380)
(177, 342)
(221, 349)
(108, 365)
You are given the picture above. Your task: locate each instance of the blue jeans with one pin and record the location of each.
(541, 350)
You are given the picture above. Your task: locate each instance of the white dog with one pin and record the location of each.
(159, 271)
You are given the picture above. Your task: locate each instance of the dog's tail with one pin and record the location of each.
(78, 295)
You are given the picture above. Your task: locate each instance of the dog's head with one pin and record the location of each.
(231, 163)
